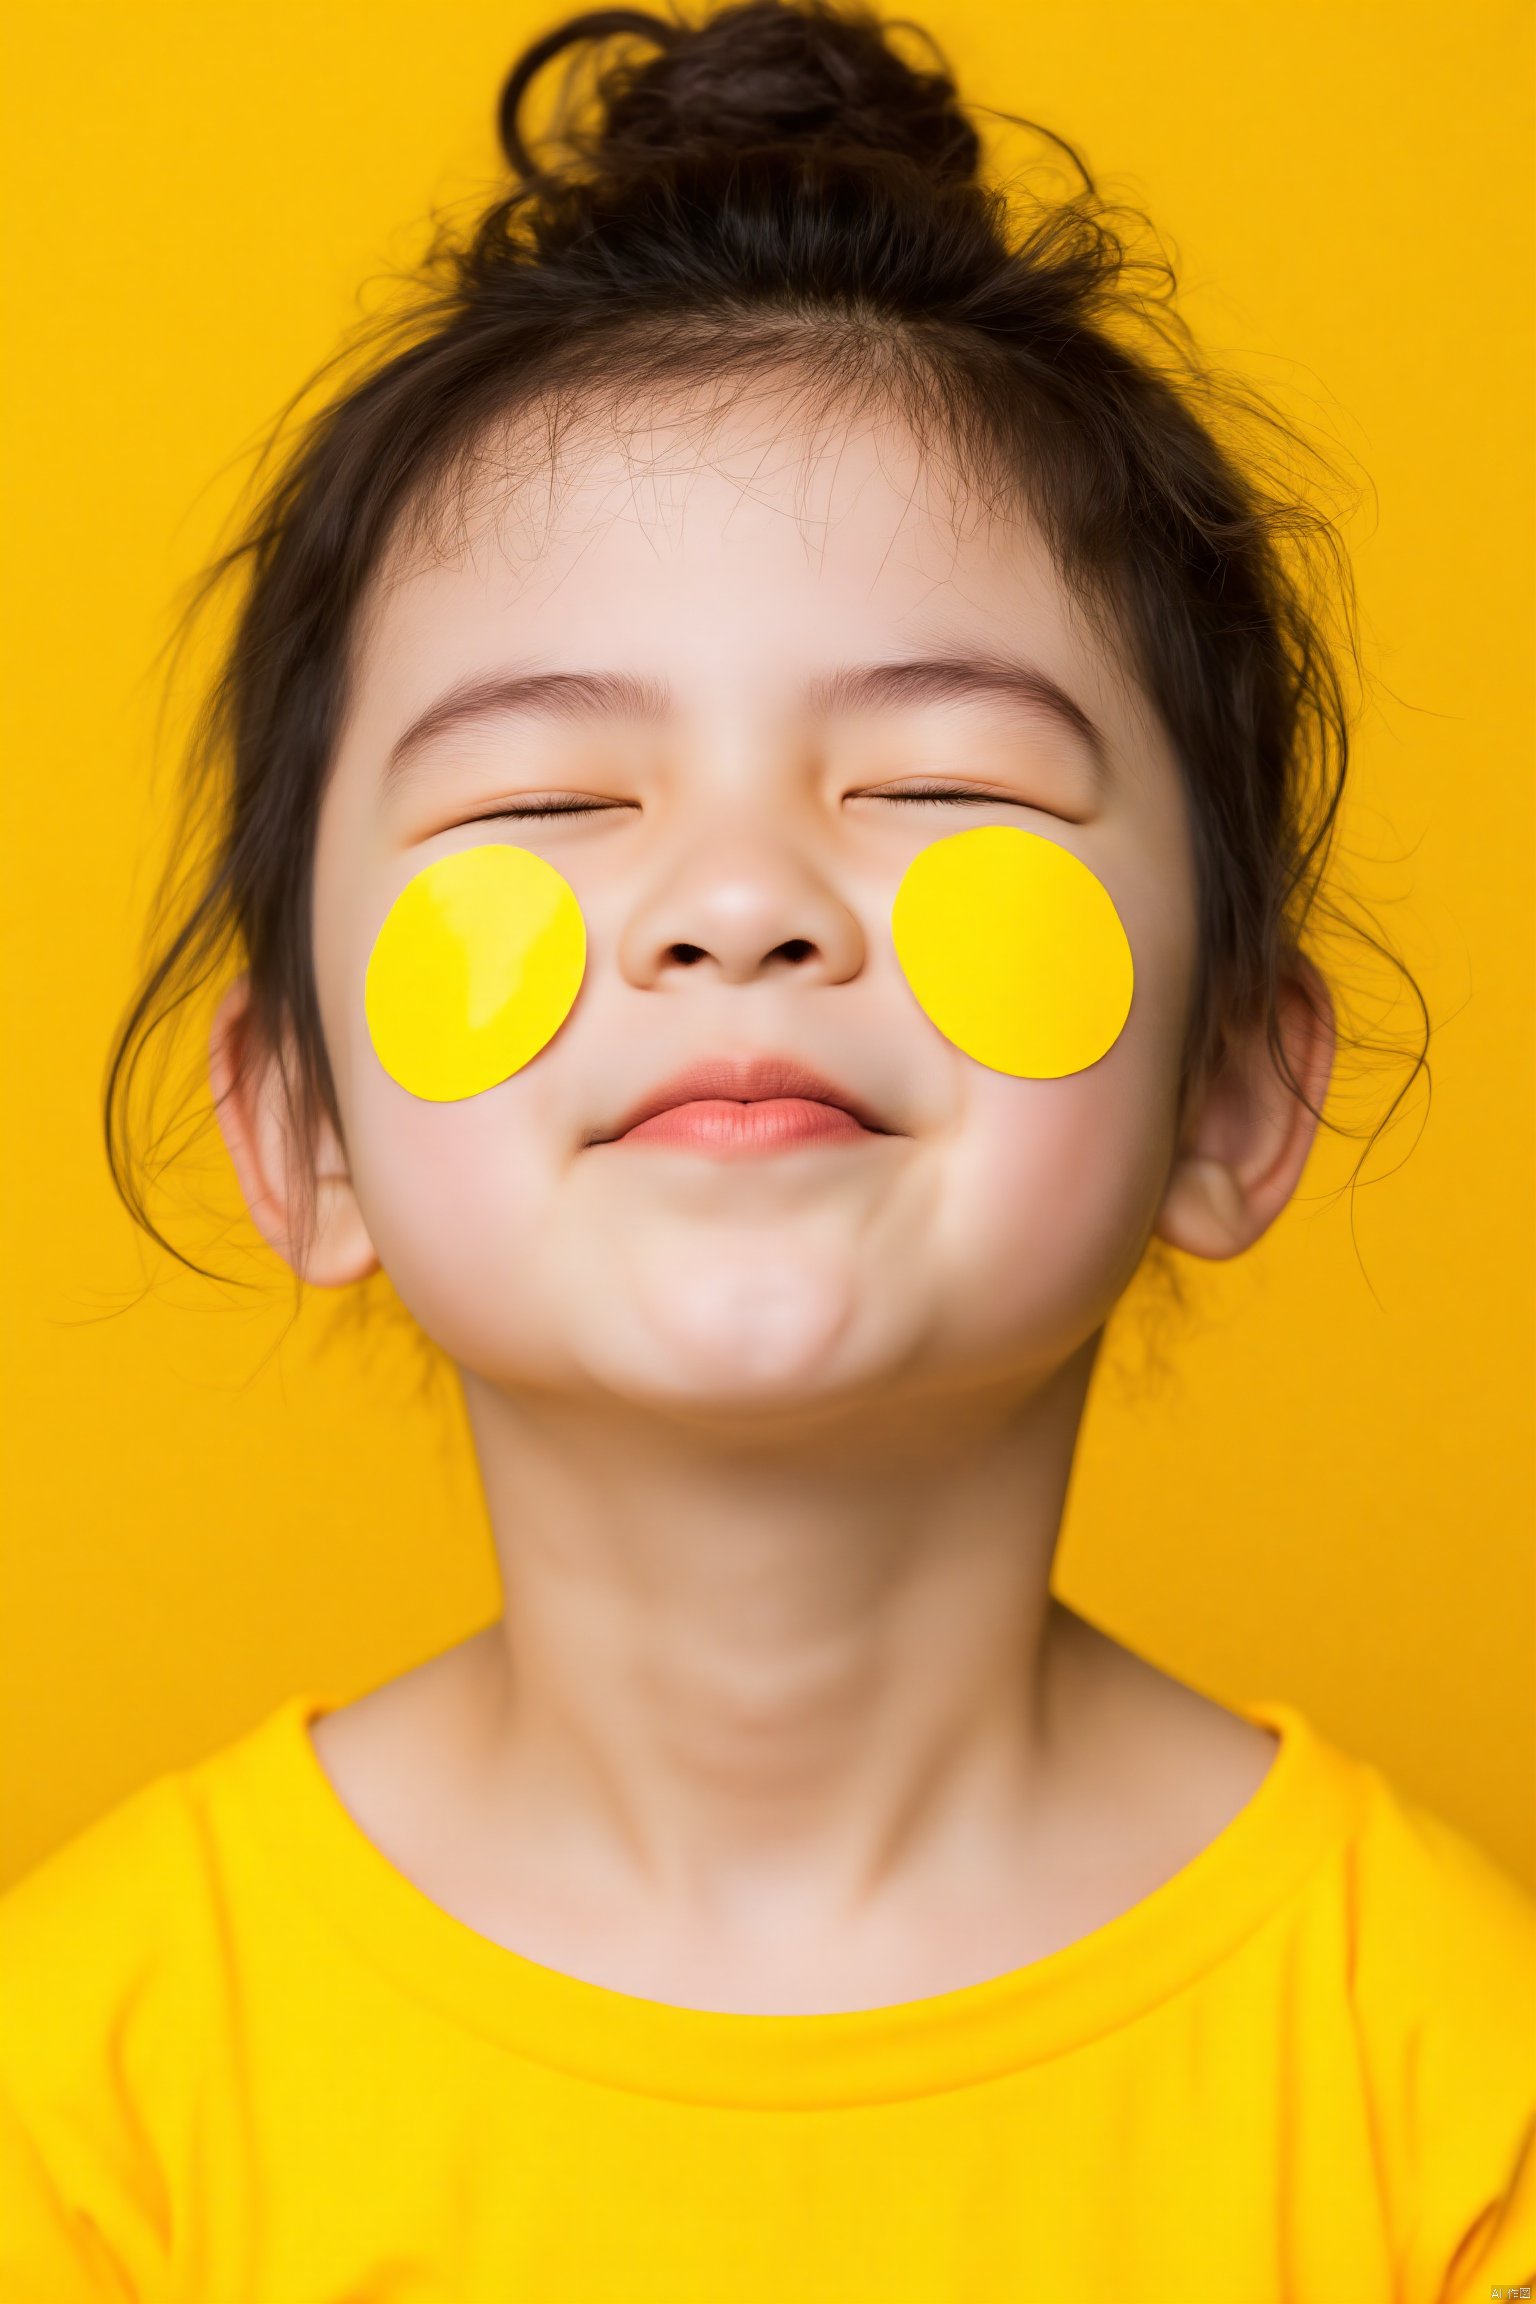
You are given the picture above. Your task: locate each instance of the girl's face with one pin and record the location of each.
(749, 798)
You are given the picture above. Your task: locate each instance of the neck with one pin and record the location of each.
(817, 1671)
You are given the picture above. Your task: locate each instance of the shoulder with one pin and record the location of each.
(1441, 1922)
(107, 1958)
(1443, 1957)
(1397, 1969)
(97, 1934)
(1436, 1942)
(121, 1951)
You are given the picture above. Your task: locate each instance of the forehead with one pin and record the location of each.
(738, 544)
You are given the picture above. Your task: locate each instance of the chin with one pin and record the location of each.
(732, 1336)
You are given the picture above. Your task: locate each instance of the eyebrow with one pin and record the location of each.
(586, 696)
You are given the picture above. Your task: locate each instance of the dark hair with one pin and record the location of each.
(776, 192)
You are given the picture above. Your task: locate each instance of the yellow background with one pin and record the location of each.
(1327, 1493)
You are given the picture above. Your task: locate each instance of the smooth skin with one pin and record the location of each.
(781, 1715)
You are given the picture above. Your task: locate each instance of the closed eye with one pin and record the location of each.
(958, 794)
(941, 792)
(524, 808)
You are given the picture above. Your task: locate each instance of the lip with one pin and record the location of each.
(782, 1081)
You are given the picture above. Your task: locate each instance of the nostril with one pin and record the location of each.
(793, 949)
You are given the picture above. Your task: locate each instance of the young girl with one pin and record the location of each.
(778, 770)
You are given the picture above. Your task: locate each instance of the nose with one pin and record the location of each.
(738, 906)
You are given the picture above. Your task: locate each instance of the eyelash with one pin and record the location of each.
(580, 808)
(947, 792)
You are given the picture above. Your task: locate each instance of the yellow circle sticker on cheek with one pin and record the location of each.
(475, 969)
(1014, 950)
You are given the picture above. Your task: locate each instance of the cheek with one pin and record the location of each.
(448, 1117)
(1055, 1182)
(457, 1198)
(1054, 1189)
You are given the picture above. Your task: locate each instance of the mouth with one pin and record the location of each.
(733, 1106)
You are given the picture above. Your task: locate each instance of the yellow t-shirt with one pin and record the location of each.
(243, 2057)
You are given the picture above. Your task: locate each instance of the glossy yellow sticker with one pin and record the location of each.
(475, 969)
(1014, 950)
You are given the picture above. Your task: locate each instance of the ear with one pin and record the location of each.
(272, 1166)
(1247, 1135)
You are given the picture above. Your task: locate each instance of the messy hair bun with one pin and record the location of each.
(778, 190)
(755, 77)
